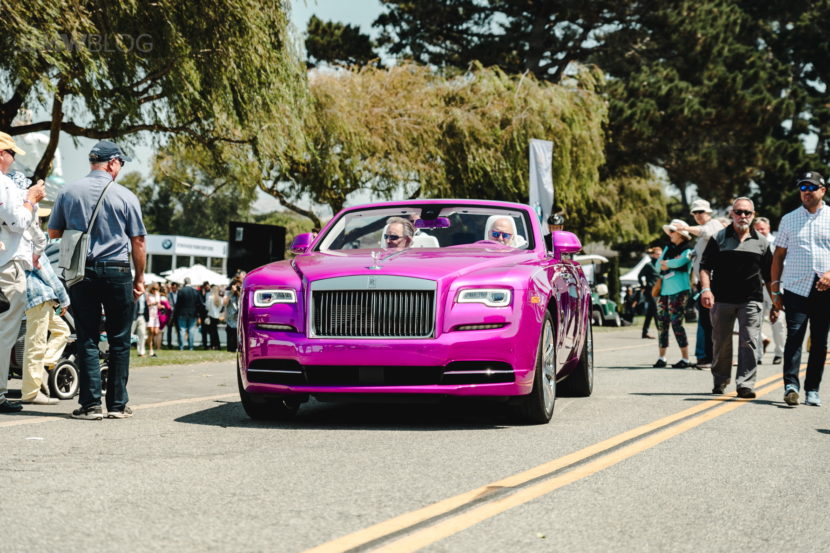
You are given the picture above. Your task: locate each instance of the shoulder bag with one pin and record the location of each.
(74, 247)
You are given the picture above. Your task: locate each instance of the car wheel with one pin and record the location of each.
(580, 383)
(617, 320)
(537, 407)
(260, 407)
(596, 318)
(63, 380)
(105, 372)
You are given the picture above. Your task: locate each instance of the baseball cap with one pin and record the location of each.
(811, 176)
(105, 151)
(7, 143)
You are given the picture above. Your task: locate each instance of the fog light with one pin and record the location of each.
(481, 326)
(271, 326)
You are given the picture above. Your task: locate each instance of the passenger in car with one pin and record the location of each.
(398, 233)
(502, 229)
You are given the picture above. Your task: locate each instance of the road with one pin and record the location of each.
(651, 462)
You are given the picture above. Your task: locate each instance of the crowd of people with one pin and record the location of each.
(166, 311)
(737, 274)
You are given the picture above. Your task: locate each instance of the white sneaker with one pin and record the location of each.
(41, 399)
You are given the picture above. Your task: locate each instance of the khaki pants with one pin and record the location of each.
(13, 283)
(41, 321)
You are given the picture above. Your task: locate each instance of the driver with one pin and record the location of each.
(502, 229)
(398, 234)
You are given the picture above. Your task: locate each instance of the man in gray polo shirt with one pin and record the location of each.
(117, 234)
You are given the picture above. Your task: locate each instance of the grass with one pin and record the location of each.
(176, 357)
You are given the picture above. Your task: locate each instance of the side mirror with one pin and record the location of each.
(565, 242)
(301, 242)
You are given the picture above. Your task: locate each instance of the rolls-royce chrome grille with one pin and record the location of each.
(400, 307)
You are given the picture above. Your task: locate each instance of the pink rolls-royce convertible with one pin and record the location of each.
(440, 297)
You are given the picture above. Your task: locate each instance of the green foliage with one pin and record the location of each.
(207, 72)
(409, 130)
(337, 44)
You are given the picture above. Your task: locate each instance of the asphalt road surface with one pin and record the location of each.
(651, 462)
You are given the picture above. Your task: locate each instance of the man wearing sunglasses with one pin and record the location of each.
(17, 209)
(801, 286)
(398, 234)
(734, 269)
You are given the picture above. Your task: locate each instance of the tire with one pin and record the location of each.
(580, 383)
(596, 318)
(617, 320)
(260, 407)
(537, 407)
(63, 380)
(105, 371)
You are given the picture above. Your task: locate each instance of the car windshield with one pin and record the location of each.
(398, 228)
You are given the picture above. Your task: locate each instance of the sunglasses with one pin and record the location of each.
(496, 234)
(10, 152)
(391, 237)
(810, 187)
(698, 212)
(743, 212)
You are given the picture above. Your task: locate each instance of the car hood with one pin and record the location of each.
(424, 263)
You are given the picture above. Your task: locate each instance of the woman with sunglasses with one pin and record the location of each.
(502, 229)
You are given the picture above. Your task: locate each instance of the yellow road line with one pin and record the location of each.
(402, 522)
(23, 420)
(443, 529)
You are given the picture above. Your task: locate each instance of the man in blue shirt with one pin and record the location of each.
(116, 235)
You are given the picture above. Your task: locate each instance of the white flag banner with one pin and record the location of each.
(541, 178)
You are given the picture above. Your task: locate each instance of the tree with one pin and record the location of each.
(337, 44)
(206, 72)
(721, 94)
(407, 130)
(542, 38)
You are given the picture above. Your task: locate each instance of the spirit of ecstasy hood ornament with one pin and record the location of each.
(375, 266)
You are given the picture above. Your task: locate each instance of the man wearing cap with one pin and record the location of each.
(734, 269)
(556, 221)
(801, 285)
(647, 277)
(17, 209)
(116, 236)
(706, 228)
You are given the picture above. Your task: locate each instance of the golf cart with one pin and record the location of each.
(603, 309)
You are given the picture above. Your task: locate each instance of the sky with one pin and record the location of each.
(355, 12)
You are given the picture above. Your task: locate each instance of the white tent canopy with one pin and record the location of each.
(197, 274)
(630, 278)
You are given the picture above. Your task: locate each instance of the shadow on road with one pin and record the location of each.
(823, 430)
(428, 417)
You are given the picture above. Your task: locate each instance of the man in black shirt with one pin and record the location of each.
(648, 277)
(733, 270)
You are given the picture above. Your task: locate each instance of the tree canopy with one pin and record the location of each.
(206, 72)
(727, 96)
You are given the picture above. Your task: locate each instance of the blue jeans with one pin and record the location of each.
(186, 324)
(799, 310)
(111, 287)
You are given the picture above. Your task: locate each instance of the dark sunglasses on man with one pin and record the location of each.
(10, 152)
(392, 237)
(505, 235)
(811, 187)
(742, 212)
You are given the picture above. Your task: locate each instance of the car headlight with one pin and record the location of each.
(267, 298)
(491, 297)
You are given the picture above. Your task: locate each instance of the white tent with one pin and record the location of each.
(630, 278)
(197, 274)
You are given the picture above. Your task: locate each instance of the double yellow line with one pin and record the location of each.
(435, 522)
